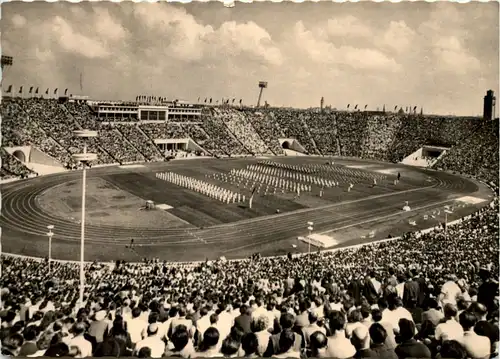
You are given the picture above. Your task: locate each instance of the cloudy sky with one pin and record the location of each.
(441, 56)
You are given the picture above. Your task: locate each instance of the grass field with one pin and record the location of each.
(105, 204)
(115, 199)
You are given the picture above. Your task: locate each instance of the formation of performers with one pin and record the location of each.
(218, 193)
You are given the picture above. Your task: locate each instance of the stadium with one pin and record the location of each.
(187, 225)
(159, 227)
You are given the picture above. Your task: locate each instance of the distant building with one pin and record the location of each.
(489, 105)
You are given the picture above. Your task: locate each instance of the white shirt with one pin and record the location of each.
(156, 345)
(450, 330)
(135, 328)
(450, 291)
(83, 345)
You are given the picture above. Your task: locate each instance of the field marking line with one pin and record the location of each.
(328, 206)
(388, 216)
(343, 227)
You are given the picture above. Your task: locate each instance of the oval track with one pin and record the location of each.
(25, 222)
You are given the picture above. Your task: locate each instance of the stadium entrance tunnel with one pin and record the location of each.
(286, 145)
(20, 155)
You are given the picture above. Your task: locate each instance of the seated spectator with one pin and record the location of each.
(361, 341)
(390, 341)
(318, 344)
(183, 346)
(477, 346)
(379, 349)
(230, 347)
(449, 329)
(43, 344)
(11, 345)
(286, 346)
(244, 320)
(433, 314)
(210, 344)
(409, 347)
(452, 349)
(287, 322)
(312, 328)
(153, 342)
(338, 345)
(250, 345)
(83, 345)
(263, 335)
(29, 346)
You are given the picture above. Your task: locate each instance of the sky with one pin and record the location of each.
(440, 56)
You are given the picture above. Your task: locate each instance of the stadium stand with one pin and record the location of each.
(432, 295)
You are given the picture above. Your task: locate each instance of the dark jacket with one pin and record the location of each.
(412, 349)
(244, 322)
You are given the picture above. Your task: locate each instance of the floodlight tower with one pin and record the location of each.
(262, 86)
(83, 158)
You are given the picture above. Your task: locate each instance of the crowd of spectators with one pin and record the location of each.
(242, 129)
(11, 167)
(224, 131)
(476, 154)
(268, 130)
(143, 143)
(432, 295)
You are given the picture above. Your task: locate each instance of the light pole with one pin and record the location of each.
(83, 158)
(49, 235)
(310, 229)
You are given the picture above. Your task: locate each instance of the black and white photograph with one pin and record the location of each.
(238, 179)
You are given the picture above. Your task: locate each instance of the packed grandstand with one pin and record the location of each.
(424, 295)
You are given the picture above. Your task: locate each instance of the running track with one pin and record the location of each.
(24, 223)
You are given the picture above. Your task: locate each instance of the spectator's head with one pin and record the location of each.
(479, 310)
(354, 316)
(144, 352)
(376, 315)
(361, 338)
(287, 321)
(180, 338)
(406, 329)
(30, 333)
(467, 320)
(230, 347)
(313, 317)
(250, 344)
(453, 350)
(319, 341)
(433, 303)
(214, 318)
(336, 321)
(378, 334)
(450, 311)
(79, 328)
(286, 341)
(210, 337)
(262, 323)
(13, 343)
(136, 312)
(152, 329)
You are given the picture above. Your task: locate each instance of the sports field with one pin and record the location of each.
(189, 225)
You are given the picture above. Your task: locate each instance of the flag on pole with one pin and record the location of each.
(65, 92)
(55, 91)
(348, 105)
(31, 89)
(21, 89)
(250, 202)
(36, 91)
(9, 90)
(47, 92)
